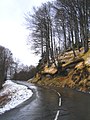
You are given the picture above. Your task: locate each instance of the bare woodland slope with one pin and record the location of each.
(75, 72)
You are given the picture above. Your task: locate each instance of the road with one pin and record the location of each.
(46, 104)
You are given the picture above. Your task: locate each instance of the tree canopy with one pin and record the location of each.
(59, 25)
(6, 63)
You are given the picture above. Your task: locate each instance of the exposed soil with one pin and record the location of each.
(75, 74)
(4, 99)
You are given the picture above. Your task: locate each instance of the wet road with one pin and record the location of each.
(75, 105)
(45, 105)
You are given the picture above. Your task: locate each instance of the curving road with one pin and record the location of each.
(45, 104)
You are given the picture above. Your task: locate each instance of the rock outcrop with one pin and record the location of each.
(77, 77)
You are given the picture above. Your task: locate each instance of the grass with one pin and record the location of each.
(67, 81)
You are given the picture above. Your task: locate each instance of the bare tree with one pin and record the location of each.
(6, 61)
(42, 32)
(63, 24)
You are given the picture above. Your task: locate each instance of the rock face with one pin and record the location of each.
(49, 70)
(78, 74)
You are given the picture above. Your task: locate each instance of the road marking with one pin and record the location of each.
(58, 94)
(59, 104)
(56, 117)
(59, 98)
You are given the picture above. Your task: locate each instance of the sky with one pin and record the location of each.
(13, 32)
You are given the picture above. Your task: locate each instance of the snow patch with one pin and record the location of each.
(17, 94)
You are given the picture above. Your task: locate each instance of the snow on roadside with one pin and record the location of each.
(17, 94)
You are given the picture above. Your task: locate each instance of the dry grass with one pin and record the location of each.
(67, 81)
(4, 99)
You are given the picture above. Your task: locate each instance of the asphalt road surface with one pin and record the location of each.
(51, 104)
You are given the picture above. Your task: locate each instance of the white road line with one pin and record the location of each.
(59, 104)
(58, 93)
(56, 117)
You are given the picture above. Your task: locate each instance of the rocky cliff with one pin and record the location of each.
(75, 72)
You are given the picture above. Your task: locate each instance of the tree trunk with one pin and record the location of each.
(73, 48)
(64, 32)
(42, 44)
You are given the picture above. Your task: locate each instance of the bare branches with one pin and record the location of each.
(61, 25)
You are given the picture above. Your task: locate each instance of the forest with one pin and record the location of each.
(59, 26)
(6, 61)
(60, 33)
(55, 28)
(13, 69)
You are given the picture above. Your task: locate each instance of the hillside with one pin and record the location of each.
(75, 72)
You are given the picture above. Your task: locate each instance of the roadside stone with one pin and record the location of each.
(88, 84)
(83, 83)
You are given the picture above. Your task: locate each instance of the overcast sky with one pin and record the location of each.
(13, 33)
